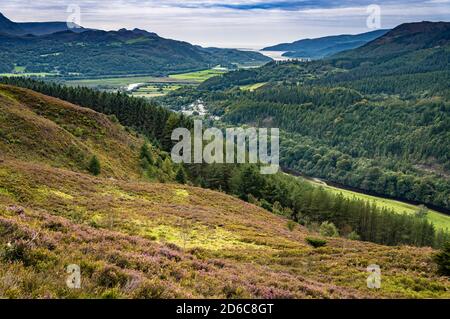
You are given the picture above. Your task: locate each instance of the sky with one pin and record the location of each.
(232, 23)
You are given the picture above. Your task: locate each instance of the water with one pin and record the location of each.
(275, 55)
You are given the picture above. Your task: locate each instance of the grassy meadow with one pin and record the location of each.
(252, 87)
(119, 82)
(440, 220)
(199, 76)
(155, 90)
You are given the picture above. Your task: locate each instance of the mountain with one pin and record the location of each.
(133, 238)
(9, 27)
(326, 46)
(421, 48)
(34, 28)
(405, 38)
(123, 52)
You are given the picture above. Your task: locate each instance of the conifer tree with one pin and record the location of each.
(94, 166)
(181, 176)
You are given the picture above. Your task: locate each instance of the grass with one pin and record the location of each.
(42, 74)
(199, 76)
(440, 220)
(19, 69)
(252, 87)
(113, 82)
(150, 85)
(155, 90)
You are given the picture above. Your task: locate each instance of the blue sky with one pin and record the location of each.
(225, 23)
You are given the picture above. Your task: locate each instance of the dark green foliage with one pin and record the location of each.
(316, 242)
(291, 225)
(354, 236)
(17, 252)
(328, 229)
(94, 166)
(442, 259)
(146, 156)
(181, 176)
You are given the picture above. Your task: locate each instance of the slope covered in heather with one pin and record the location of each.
(133, 238)
(41, 129)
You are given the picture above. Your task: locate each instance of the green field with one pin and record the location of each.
(199, 76)
(252, 87)
(155, 90)
(115, 82)
(19, 69)
(440, 220)
(27, 74)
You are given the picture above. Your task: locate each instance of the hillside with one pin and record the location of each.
(405, 38)
(35, 28)
(45, 130)
(325, 46)
(9, 27)
(138, 239)
(125, 52)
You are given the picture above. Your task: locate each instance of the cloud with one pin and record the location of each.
(232, 23)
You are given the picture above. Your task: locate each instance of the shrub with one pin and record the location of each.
(277, 208)
(113, 293)
(316, 242)
(111, 277)
(113, 118)
(266, 205)
(353, 236)
(151, 290)
(146, 155)
(17, 252)
(79, 132)
(252, 200)
(442, 259)
(291, 225)
(328, 229)
(181, 176)
(94, 166)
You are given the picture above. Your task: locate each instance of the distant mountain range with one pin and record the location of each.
(326, 46)
(34, 28)
(405, 38)
(35, 48)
